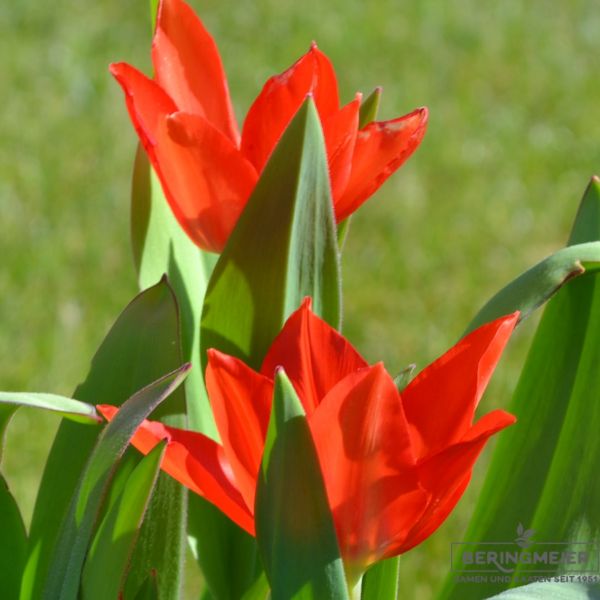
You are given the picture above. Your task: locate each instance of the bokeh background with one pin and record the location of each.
(514, 135)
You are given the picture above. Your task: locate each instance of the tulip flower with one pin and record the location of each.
(394, 463)
(185, 121)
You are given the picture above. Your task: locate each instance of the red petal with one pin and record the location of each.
(241, 403)
(381, 147)
(314, 355)
(189, 68)
(440, 402)
(340, 131)
(447, 474)
(281, 98)
(195, 461)
(146, 102)
(205, 178)
(369, 470)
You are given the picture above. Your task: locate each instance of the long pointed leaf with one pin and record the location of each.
(64, 575)
(294, 526)
(66, 407)
(142, 345)
(106, 563)
(543, 472)
(531, 289)
(161, 246)
(283, 248)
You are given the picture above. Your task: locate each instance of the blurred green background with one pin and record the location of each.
(514, 135)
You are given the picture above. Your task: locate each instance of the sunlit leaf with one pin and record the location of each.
(68, 555)
(108, 558)
(66, 407)
(142, 345)
(544, 471)
(534, 287)
(380, 582)
(282, 249)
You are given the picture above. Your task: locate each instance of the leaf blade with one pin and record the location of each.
(108, 558)
(283, 248)
(69, 408)
(550, 456)
(142, 344)
(294, 526)
(380, 582)
(13, 543)
(536, 285)
(72, 543)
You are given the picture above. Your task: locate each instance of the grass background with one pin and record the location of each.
(514, 135)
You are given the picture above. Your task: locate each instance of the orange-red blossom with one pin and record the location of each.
(394, 464)
(184, 118)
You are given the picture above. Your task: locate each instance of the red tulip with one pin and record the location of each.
(184, 118)
(394, 464)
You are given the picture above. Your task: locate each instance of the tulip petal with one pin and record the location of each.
(441, 401)
(188, 67)
(197, 462)
(146, 102)
(280, 99)
(381, 148)
(370, 474)
(447, 474)
(205, 178)
(340, 130)
(241, 403)
(314, 355)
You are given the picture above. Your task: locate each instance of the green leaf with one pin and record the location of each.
(369, 108)
(64, 575)
(161, 543)
(342, 232)
(222, 548)
(108, 558)
(367, 114)
(13, 543)
(403, 378)
(149, 589)
(544, 471)
(260, 590)
(532, 288)
(142, 345)
(153, 13)
(6, 413)
(161, 246)
(551, 591)
(283, 249)
(67, 407)
(294, 526)
(380, 582)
